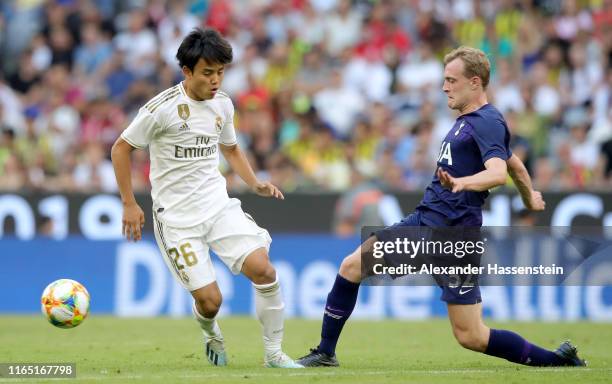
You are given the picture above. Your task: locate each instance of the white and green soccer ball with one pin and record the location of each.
(65, 303)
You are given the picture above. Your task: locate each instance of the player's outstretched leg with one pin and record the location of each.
(205, 308)
(269, 307)
(338, 308)
(472, 333)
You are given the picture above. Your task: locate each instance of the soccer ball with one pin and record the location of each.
(65, 303)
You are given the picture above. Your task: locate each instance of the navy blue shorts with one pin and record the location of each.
(468, 294)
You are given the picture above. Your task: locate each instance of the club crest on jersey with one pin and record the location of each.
(183, 111)
(218, 124)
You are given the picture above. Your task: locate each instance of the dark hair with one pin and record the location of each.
(204, 44)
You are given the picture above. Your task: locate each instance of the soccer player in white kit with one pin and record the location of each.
(184, 127)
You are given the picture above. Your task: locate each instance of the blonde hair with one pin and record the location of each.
(475, 63)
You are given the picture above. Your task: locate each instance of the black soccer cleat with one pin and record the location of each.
(317, 358)
(569, 354)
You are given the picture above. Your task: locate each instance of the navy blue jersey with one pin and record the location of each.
(475, 138)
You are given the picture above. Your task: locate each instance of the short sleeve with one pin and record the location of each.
(141, 130)
(228, 133)
(492, 137)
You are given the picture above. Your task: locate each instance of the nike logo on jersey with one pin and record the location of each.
(462, 292)
(459, 129)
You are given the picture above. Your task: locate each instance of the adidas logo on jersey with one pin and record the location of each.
(184, 127)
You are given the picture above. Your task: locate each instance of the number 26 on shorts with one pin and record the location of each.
(189, 257)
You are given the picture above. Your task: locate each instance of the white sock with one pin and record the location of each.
(210, 327)
(269, 307)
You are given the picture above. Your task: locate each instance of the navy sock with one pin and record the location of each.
(514, 348)
(340, 304)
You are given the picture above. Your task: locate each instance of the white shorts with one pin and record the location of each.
(231, 234)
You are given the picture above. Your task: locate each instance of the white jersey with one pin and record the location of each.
(183, 136)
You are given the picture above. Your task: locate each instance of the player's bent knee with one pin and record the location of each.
(209, 306)
(350, 268)
(258, 269)
(265, 275)
(470, 339)
(262, 273)
(208, 300)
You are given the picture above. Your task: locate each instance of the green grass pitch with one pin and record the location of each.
(164, 350)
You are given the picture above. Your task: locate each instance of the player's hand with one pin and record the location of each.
(267, 189)
(133, 221)
(449, 182)
(536, 201)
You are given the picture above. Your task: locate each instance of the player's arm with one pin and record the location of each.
(495, 174)
(239, 163)
(532, 199)
(133, 216)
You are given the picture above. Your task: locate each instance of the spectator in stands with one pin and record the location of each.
(138, 45)
(339, 105)
(93, 52)
(419, 75)
(342, 29)
(95, 173)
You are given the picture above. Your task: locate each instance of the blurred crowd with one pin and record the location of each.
(329, 94)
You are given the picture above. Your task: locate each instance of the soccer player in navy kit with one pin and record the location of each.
(474, 157)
